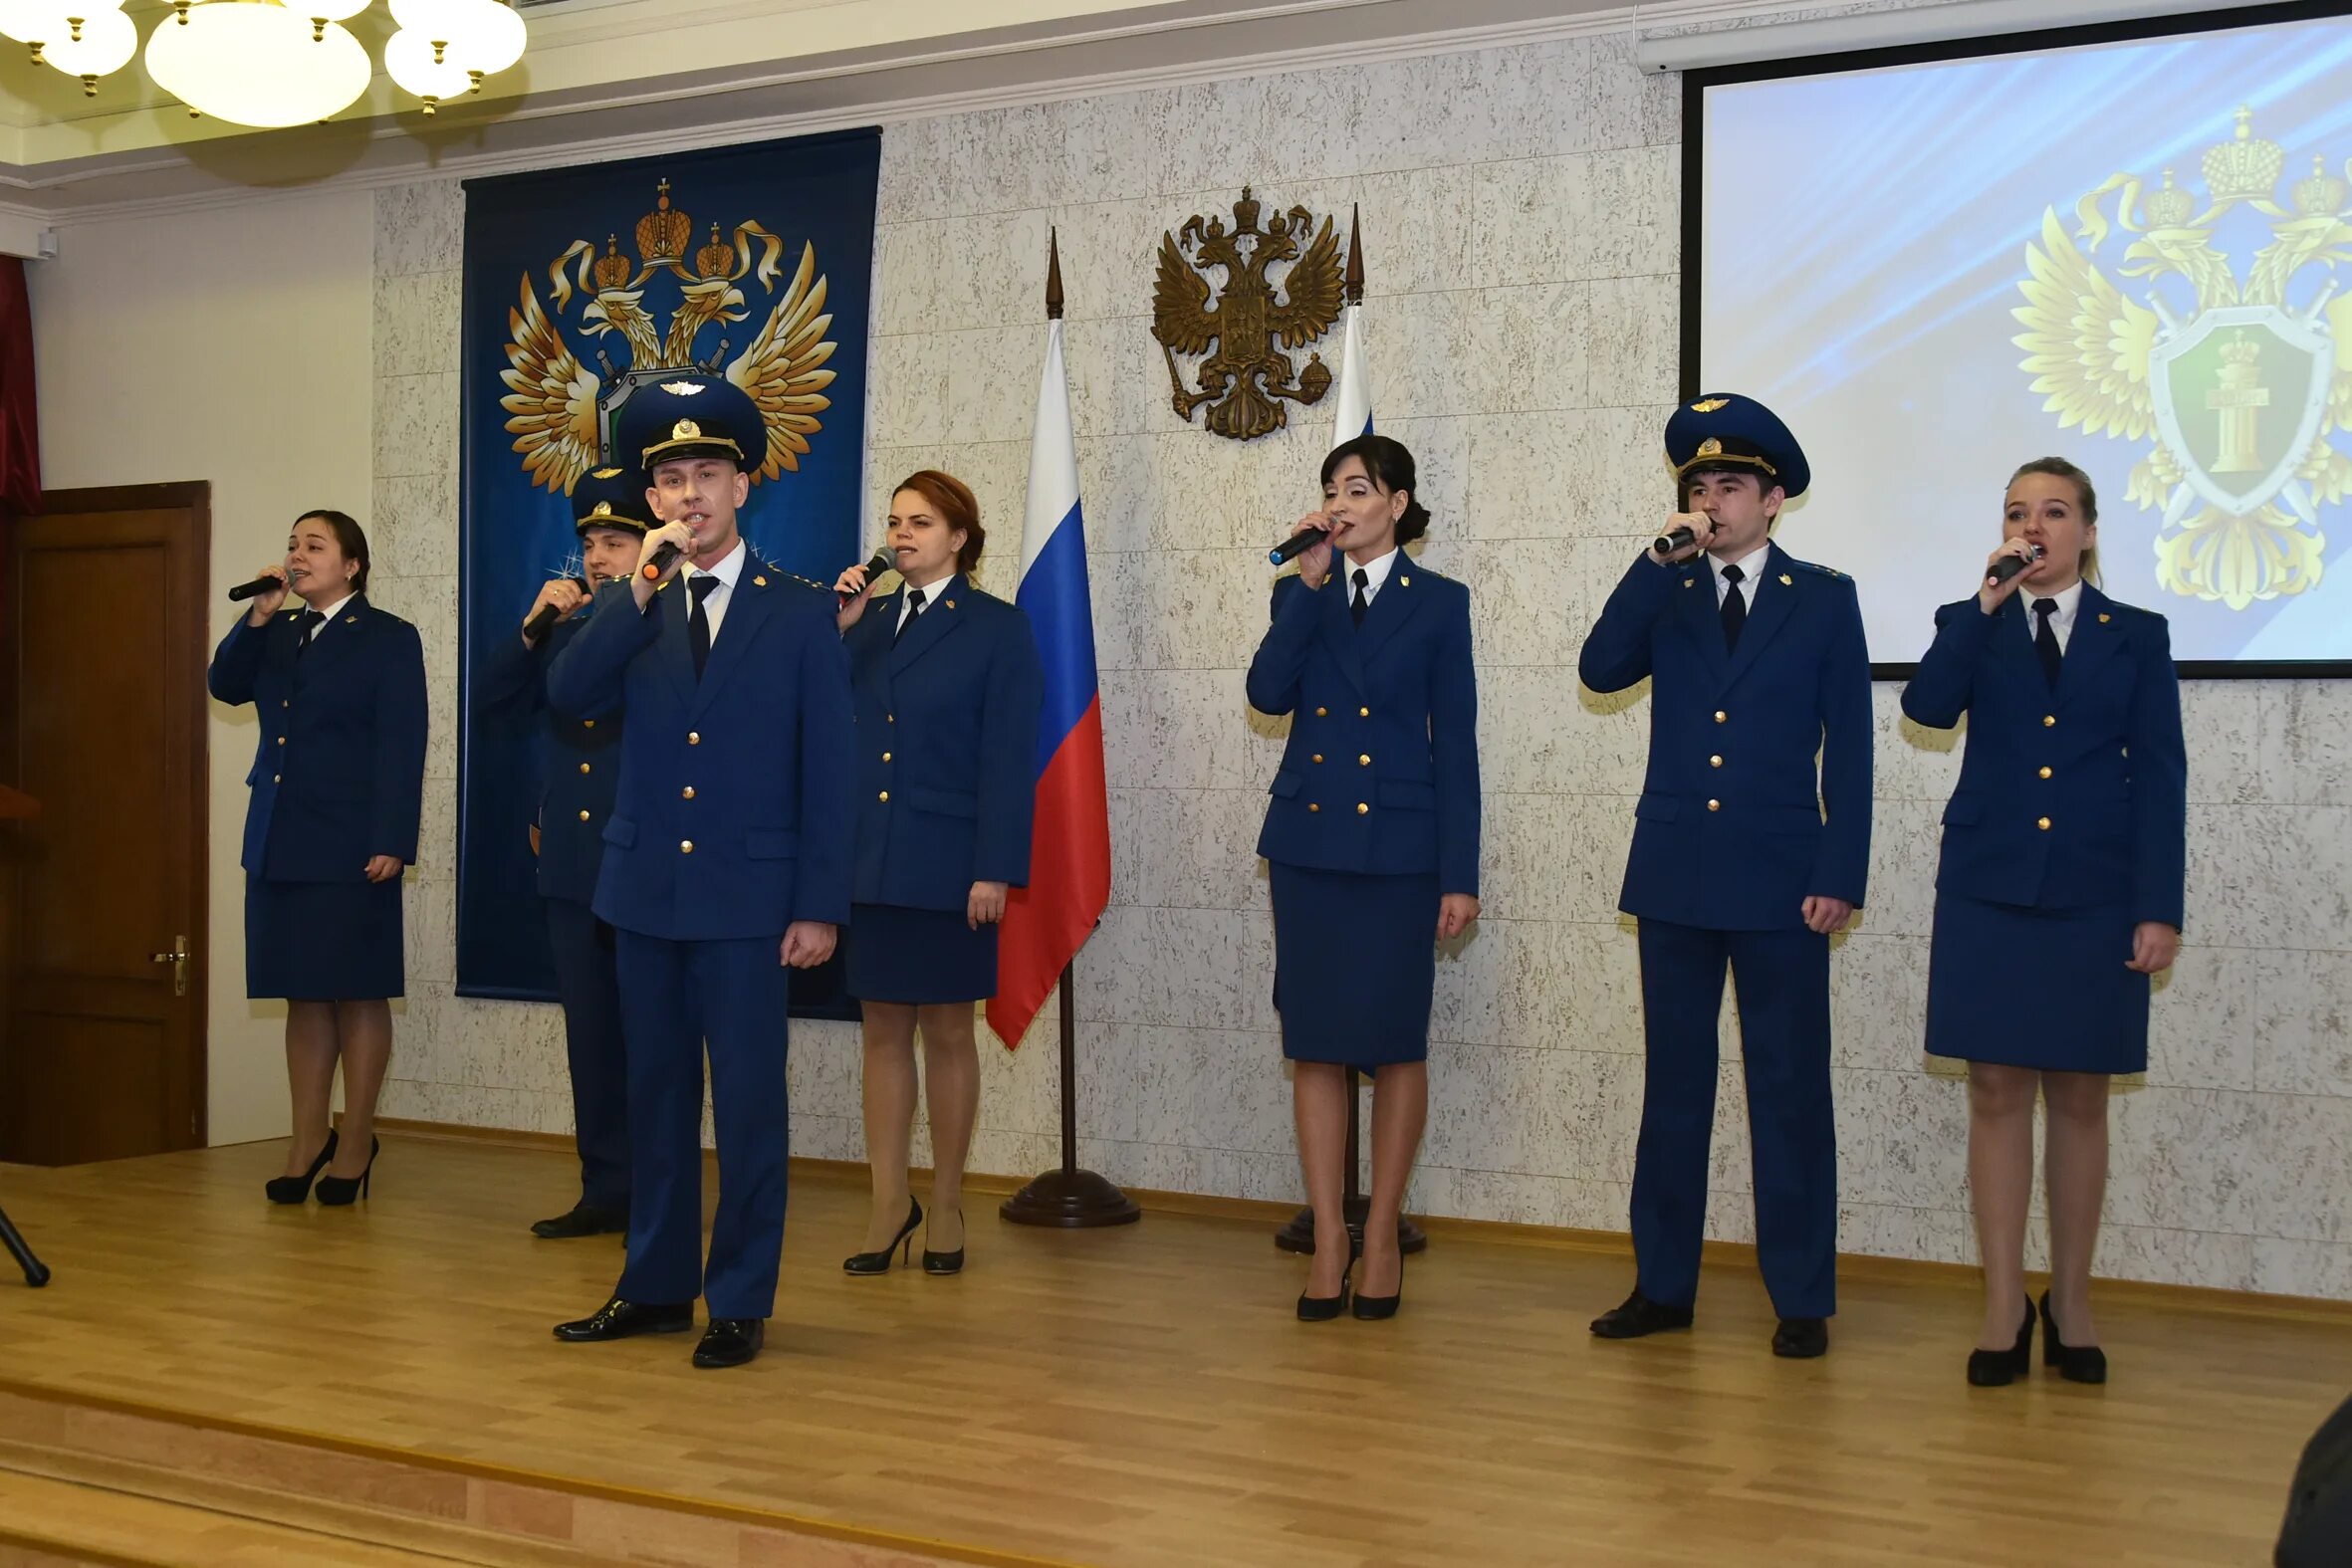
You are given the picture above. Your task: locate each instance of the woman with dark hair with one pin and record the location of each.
(2061, 891)
(337, 781)
(1371, 840)
(947, 689)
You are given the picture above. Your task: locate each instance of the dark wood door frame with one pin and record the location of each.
(189, 635)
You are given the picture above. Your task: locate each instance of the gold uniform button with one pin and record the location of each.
(276, 778)
(889, 718)
(1322, 713)
(1312, 808)
(1715, 761)
(686, 794)
(885, 757)
(2046, 773)
(1319, 757)
(1363, 713)
(1720, 716)
(281, 739)
(685, 846)
(1363, 761)
(584, 816)
(2044, 823)
(588, 724)
(2049, 721)
(284, 703)
(583, 768)
(694, 737)
(1362, 808)
(1715, 805)
(885, 795)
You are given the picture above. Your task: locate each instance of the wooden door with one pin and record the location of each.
(101, 722)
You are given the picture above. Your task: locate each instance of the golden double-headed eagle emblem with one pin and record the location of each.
(563, 414)
(1257, 318)
(2243, 382)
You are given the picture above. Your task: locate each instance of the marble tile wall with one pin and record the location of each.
(1522, 228)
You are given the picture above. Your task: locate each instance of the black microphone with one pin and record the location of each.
(660, 563)
(884, 560)
(1667, 544)
(547, 615)
(254, 589)
(1297, 545)
(2009, 566)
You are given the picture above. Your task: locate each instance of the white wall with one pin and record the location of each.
(225, 346)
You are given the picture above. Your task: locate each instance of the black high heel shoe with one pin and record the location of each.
(2075, 1363)
(1995, 1369)
(1372, 1309)
(880, 1263)
(1323, 1309)
(294, 1189)
(945, 1262)
(336, 1191)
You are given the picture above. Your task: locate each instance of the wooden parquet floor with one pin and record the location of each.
(1144, 1396)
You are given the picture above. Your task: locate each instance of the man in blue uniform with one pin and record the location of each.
(1743, 854)
(581, 758)
(727, 859)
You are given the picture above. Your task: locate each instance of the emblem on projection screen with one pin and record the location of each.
(2243, 382)
(1253, 322)
(563, 414)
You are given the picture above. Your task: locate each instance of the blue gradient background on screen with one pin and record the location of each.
(1864, 238)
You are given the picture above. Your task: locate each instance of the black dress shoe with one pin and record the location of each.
(1997, 1369)
(586, 1218)
(294, 1189)
(1801, 1338)
(1639, 1316)
(619, 1319)
(2075, 1363)
(731, 1341)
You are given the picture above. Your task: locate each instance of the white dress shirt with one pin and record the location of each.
(714, 608)
(1750, 567)
(906, 601)
(2061, 620)
(319, 629)
(1375, 574)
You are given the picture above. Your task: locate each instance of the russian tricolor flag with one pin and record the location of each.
(1047, 922)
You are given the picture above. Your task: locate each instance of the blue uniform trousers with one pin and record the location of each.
(731, 992)
(588, 983)
(1781, 979)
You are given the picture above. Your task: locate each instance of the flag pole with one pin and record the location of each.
(1070, 1196)
(1298, 1235)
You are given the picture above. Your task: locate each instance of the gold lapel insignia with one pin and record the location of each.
(1786, 581)
(951, 603)
(351, 620)
(1404, 582)
(2104, 617)
(1690, 582)
(759, 583)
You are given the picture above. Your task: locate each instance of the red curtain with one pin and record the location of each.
(20, 427)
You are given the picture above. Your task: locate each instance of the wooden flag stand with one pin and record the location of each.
(16, 805)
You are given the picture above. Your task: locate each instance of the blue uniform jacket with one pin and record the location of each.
(1381, 773)
(579, 760)
(734, 813)
(2067, 799)
(947, 747)
(1736, 829)
(338, 774)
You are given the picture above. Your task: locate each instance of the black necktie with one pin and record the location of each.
(698, 622)
(2046, 642)
(1357, 605)
(305, 626)
(914, 611)
(1734, 608)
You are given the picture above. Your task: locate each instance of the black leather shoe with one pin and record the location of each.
(1997, 1369)
(731, 1341)
(295, 1188)
(586, 1218)
(619, 1319)
(2075, 1363)
(1639, 1316)
(880, 1263)
(1801, 1338)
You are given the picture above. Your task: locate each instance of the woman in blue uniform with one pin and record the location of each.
(948, 689)
(1371, 840)
(2059, 893)
(338, 779)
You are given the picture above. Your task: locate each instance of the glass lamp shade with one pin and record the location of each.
(328, 10)
(107, 42)
(408, 61)
(252, 62)
(44, 22)
(495, 41)
(448, 20)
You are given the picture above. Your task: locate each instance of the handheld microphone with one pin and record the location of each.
(659, 561)
(1667, 544)
(885, 560)
(1295, 545)
(547, 615)
(254, 589)
(2009, 566)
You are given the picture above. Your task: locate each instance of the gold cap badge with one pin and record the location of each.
(681, 388)
(1710, 405)
(609, 473)
(685, 429)
(603, 508)
(1711, 447)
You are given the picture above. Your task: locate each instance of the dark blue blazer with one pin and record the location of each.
(2067, 799)
(338, 774)
(580, 761)
(1736, 827)
(734, 813)
(947, 747)
(1381, 773)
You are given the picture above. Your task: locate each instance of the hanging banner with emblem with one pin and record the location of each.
(581, 286)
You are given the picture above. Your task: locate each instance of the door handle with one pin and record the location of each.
(177, 958)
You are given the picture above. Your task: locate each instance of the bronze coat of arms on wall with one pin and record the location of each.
(1249, 375)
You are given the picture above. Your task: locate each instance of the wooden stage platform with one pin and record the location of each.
(212, 1380)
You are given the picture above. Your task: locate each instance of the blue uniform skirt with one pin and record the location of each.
(323, 941)
(917, 957)
(2035, 987)
(1354, 964)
